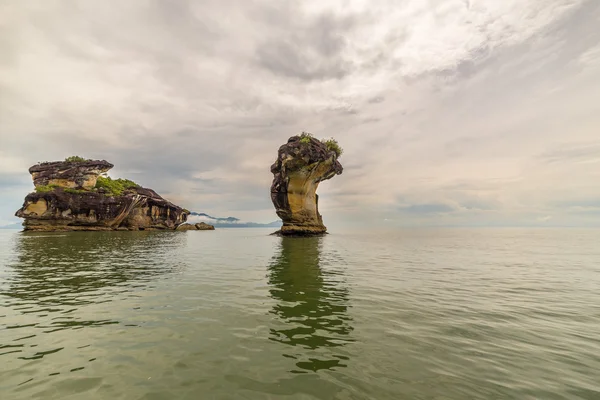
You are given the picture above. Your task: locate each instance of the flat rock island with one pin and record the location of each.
(75, 194)
(302, 163)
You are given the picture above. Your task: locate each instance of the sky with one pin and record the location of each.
(450, 112)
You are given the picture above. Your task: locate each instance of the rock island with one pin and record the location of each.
(302, 163)
(75, 194)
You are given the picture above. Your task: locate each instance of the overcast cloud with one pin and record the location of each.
(450, 112)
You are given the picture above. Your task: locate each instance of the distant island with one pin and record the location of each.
(232, 222)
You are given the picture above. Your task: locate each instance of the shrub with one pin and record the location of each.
(45, 188)
(333, 145)
(115, 187)
(75, 159)
(305, 137)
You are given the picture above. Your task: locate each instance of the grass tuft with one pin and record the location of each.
(75, 191)
(45, 188)
(76, 159)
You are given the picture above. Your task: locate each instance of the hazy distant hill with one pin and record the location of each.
(16, 225)
(232, 222)
(228, 219)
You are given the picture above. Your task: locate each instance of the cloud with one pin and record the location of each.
(427, 208)
(573, 153)
(309, 50)
(476, 111)
(590, 58)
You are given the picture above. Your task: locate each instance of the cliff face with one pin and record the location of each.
(74, 175)
(302, 163)
(67, 198)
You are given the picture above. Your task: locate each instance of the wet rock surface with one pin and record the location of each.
(201, 226)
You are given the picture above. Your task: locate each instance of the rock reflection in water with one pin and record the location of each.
(61, 292)
(54, 276)
(312, 305)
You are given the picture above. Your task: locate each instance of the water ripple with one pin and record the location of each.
(415, 314)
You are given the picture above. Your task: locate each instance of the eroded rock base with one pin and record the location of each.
(301, 231)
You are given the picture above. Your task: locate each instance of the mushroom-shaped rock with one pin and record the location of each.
(302, 163)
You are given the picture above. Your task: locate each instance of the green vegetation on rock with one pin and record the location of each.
(75, 191)
(333, 145)
(76, 159)
(45, 188)
(305, 137)
(115, 187)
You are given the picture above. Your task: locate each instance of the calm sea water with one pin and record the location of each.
(238, 314)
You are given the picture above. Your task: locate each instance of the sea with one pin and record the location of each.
(486, 313)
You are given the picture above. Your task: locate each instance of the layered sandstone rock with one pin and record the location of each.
(302, 163)
(74, 174)
(67, 198)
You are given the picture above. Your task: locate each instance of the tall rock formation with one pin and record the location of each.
(72, 195)
(302, 163)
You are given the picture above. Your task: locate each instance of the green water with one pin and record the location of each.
(238, 314)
